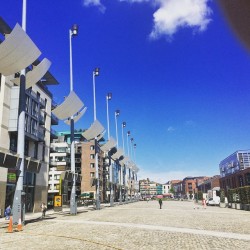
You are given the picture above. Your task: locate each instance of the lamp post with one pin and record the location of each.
(131, 147)
(18, 202)
(124, 171)
(123, 126)
(73, 206)
(134, 152)
(128, 134)
(117, 113)
(108, 98)
(96, 73)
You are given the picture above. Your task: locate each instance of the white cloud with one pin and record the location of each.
(171, 129)
(96, 3)
(175, 14)
(171, 15)
(135, 1)
(190, 123)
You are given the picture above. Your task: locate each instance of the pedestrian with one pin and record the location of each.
(160, 203)
(43, 209)
(204, 203)
(7, 212)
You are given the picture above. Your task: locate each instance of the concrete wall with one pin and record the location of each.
(3, 181)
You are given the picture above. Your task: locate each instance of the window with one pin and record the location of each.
(92, 147)
(92, 174)
(92, 165)
(92, 156)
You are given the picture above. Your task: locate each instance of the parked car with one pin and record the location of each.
(214, 201)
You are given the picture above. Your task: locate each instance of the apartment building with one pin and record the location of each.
(38, 119)
(189, 186)
(208, 183)
(235, 162)
(88, 169)
(60, 177)
(147, 188)
(235, 170)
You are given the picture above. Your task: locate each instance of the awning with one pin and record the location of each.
(36, 74)
(118, 154)
(32, 165)
(125, 160)
(9, 160)
(108, 145)
(71, 105)
(77, 116)
(17, 52)
(94, 131)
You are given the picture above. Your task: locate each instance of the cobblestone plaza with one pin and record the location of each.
(139, 225)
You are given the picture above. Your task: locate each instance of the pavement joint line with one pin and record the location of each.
(68, 237)
(236, 236)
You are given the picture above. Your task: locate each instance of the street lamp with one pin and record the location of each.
(131, 140)
(117, 113)
(18, 203)
(73, 206)
(128, 134)
(108, 98)
(123, 172)
(134, 152)
(123, 126)
(96, 72)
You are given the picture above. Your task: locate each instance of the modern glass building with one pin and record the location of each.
(237, 161)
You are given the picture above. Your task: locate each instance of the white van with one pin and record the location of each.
(214, 201)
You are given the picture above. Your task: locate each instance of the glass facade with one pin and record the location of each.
(237, 161)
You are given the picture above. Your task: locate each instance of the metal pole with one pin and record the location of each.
(128, 134)
(123, 169)
(107, 102)
(116, 129)
(73, 205)
(131, 148)
(134, 153)
(108, 97)
(94, 95)
(96, 153)
(18, 204)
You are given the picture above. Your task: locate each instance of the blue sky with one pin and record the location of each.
(177, 72)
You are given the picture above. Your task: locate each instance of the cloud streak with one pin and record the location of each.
(96, 3)
(171, 15)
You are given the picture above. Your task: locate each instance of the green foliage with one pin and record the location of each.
(222, 196)
(200, 195)
(239, 195)
(171, 190)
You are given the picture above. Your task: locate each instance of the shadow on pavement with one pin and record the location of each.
(38, 220)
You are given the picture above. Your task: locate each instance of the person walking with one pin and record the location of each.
(7, 212)
(160, 203)
(43, 209)
(204, 204)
